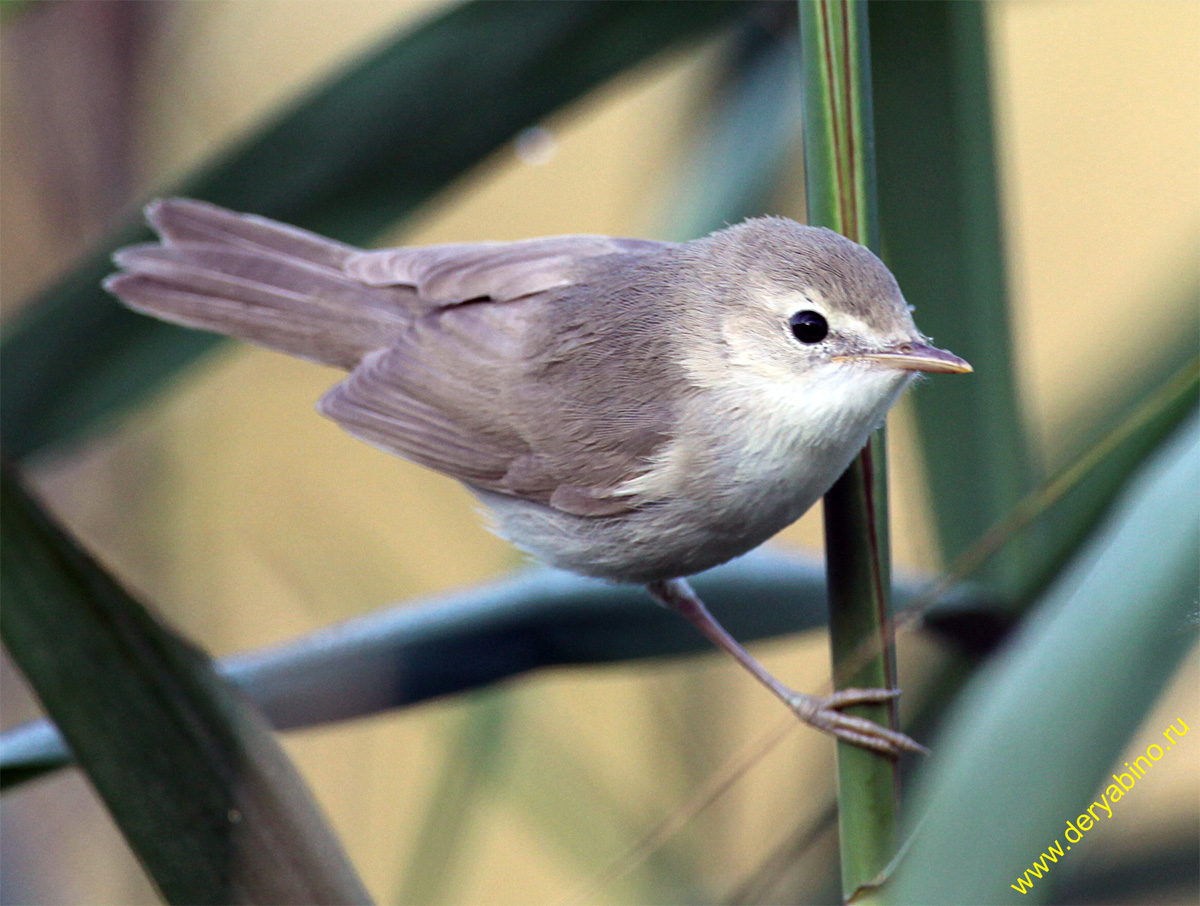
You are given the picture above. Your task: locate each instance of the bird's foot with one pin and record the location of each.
(825, 714)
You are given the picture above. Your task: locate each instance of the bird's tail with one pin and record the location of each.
(256, 279)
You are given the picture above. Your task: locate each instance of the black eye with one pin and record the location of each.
(809, 326)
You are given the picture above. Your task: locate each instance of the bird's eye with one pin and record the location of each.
(809, 326)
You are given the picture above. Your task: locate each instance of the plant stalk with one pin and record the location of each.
(839, 160)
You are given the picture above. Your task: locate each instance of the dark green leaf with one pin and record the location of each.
(939, 205)
(205, 797)
(350, 159)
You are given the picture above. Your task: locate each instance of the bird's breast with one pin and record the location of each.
(742, 466)
(757, 455)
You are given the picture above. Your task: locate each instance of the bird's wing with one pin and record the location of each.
(465, 391)
(494, 271)
(495, 385)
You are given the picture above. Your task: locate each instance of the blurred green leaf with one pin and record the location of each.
(1077, 497)
(1152, 405)
(942, 237)
(1168, 873)
(1130, 379)
(749, 126)
(543, 618)
(580, 814)
(474, 756)
(1072, 502)
(1036, 734)
(349, 160)
(205, 797)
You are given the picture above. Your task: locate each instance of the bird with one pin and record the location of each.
(628, 409)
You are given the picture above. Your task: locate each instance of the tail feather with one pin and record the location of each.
(180, 220)
(262, 281)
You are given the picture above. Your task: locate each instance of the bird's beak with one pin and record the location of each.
(913, 357)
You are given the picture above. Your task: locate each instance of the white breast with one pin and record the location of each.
(766, 450)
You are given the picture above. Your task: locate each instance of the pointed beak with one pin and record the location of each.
(914, 357)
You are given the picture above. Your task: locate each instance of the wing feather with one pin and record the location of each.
(498, 271)
(460, 392)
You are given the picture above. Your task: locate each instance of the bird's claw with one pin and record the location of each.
(825, 714)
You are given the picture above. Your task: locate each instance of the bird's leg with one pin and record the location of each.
(822, 713)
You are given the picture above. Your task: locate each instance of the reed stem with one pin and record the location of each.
(839, 158)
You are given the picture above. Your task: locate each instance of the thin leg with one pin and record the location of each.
(822, 713)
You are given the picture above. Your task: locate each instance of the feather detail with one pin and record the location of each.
(498, 271)
(261, 281)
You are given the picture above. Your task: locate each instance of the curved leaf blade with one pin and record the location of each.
(400, 656)
(1050, 715)
(205, 797)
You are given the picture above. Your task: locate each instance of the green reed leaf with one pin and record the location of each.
(1034, 738)
(204, 795)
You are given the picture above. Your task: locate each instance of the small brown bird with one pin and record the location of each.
(628, 409)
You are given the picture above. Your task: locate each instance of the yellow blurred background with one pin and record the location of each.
(247, 519)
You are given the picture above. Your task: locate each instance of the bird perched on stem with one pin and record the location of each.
(634, 410)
